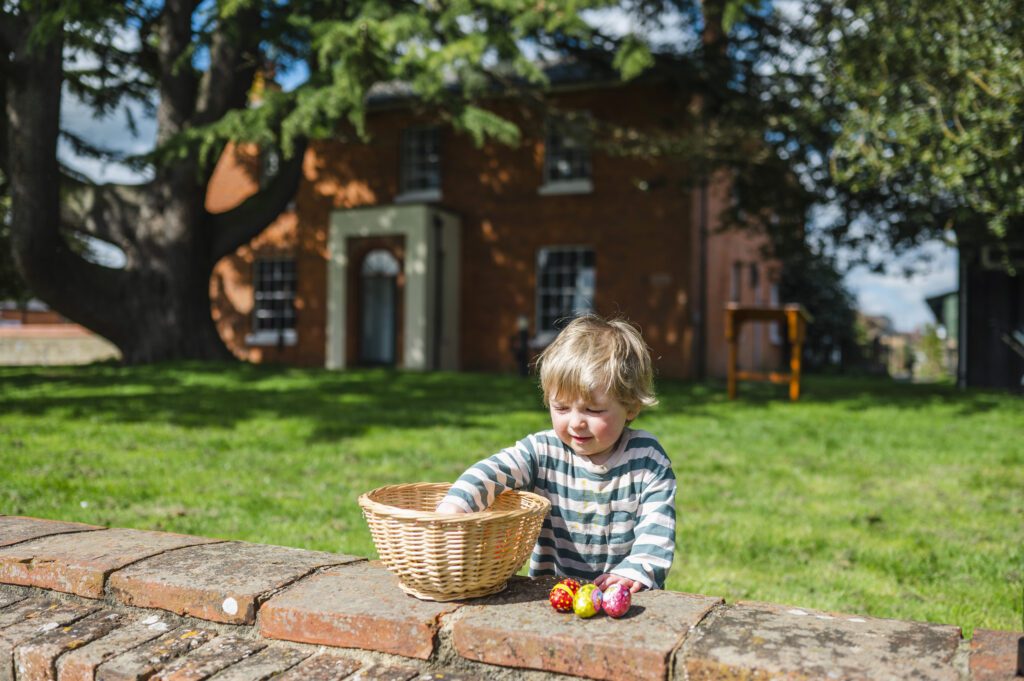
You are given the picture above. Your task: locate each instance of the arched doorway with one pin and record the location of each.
(378, 304)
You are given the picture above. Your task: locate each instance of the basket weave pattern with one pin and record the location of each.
(442, 557)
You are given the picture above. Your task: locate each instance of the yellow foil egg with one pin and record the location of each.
(583, 603)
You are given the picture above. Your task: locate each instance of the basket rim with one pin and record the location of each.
(370, 505)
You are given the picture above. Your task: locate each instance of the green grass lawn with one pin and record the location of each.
(867, 496)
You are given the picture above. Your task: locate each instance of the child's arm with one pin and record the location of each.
(654, 545)
(477, 488)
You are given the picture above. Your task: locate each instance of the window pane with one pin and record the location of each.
(565, 285)
(420, 159)
(273, 294)
(566, 152)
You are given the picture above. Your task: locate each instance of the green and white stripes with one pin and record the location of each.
(614, 518)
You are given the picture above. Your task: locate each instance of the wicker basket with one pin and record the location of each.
(442, 557)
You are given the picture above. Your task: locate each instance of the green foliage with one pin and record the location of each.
(934, 95)
(905, 116)
(444, 56)
(633, 58)
(12, 286)
(812, 279)
(830, 503)
(932, 350)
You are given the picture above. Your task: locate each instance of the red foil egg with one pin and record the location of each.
(561, 598)
(616, 600)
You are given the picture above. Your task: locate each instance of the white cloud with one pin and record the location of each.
(902, 298)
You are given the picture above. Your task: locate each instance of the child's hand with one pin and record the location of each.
(448, 507)
(606, 580)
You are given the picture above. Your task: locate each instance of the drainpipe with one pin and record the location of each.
(438, 291)
(701, 320)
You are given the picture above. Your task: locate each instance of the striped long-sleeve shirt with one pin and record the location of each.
(616, 518)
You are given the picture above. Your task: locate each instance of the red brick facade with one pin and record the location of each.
(641, 219)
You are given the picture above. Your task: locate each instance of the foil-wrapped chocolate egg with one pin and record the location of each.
(562, 594)
(583, 605)
(616, 600)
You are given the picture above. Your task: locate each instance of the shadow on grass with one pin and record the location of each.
(848, 392)
(209, 395)
(343, 404)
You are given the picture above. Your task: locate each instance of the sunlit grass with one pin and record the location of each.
(867, 496)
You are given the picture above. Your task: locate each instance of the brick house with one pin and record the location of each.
(420, 250)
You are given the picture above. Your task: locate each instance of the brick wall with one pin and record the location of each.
(84, 602)
(639, 219)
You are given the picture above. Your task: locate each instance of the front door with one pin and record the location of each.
(378, 308)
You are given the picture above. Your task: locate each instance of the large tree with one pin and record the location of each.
(194, 63)
(931, 134)
(906, 118)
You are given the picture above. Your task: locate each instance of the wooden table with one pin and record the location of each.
(796, 319)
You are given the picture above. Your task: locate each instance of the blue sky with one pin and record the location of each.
(901, 298)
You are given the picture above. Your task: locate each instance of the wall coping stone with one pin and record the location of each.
(85, 602)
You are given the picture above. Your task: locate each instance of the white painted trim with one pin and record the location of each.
(558, 187)
(270, 338)
(419, 196)
(413, 222)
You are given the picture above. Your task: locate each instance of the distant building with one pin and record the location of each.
(946, 309)
(33, 334)
(13, 313)
(419, 250)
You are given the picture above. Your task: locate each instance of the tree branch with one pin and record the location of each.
(71, 285)
(240, 224)
(177, 79)
(106, 211)
(234, 55)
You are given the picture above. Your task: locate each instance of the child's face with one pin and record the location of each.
(590, 427)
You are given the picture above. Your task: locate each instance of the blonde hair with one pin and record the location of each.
(594, 354)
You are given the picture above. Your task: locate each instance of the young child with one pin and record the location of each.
(612, 489)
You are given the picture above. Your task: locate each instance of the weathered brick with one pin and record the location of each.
(25, 609)
(151, 658)
(518, 628)
(216, 582)
(323, 667)
(81, 664)
(7, 599)
(446, 676)
(28, 619)
(383, 672)
(35, 659)
(79, 563)
(15, 529)
(218, 654)
(768, 641)
(994, 655)
(267, 663)
(354, 606)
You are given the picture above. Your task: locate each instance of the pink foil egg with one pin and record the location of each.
(616, 600)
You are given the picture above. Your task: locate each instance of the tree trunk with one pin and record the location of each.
(165, 285)
(158, 306)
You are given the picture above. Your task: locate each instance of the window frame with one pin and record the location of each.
(281, 335)
(410, 166)
(546, 333)
(577, 182)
